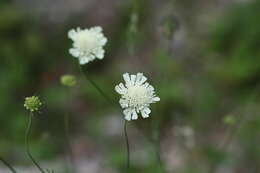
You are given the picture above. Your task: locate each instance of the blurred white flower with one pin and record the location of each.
(87, 44)
(187, 133)
(136, 96)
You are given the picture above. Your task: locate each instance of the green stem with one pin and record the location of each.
(102, 93)
(27, 143)
(234, 130)
(127, 146)
(113, 105)
(155, 142)
(7, 165)
(157, 150)
(69, 146)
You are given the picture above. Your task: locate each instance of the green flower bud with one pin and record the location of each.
(68, 80)
(32, 103)
(229, 120)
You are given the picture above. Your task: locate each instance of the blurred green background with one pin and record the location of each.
(202, 57)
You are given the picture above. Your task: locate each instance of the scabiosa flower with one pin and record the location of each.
(32, 103)
(87, 44)
(136, 96)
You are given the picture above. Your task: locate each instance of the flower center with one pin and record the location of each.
(86, 41)
(137, 96)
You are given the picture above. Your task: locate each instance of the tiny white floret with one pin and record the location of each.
(87, 44)
(136, 96)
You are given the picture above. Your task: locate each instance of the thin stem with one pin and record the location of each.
(27, 143)
(155, 143)
(96, 86)
(127, 146)
(226, 143)
(7, 165)
(69, 146)
(158, 155)
(235, 129)
(113, 105)
(158, 135)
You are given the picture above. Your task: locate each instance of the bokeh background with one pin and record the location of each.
(202, 57)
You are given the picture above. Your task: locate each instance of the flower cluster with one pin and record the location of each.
(136, 93)
(32, 103)
(87, 44)
(136, 96)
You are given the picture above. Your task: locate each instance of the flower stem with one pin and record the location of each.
(155, 143)
(158, 146)
(234, 130)
(113, 105)
(158, 155)
(96, 86)
(7, 165)
(127, 146)
(69, 146)
(27, 143)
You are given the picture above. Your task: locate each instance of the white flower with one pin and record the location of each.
(187, 133)
(136, 96)
(87, 44)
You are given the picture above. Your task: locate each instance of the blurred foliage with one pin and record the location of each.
(26, 55)
(203, 93)
(235, 42)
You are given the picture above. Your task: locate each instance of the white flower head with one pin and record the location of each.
(87, 44)
(136, 96)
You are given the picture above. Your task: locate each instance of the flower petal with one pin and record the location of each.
(156, 99)
(145, 112)
(127, 113)
(145, 85)
(72, 33)
(74, 52)
(133, 77)
(100, 53)
(140, 79)
(151, 88)
(134, 115)
(123, 103)
(127, 79)
(83, 60)
(121, 89)
(103, 41)
(96, 29)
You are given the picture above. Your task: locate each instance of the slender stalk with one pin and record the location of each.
(156, 144)
(96, 86)
(157, 140)
(233, 131)
(69, 146)
(127, 146)
(159, 159)
(226, 143)
(112, 104)
(7, 165)
(27, 143)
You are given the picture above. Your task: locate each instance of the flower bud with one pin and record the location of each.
(32, 103)
(68, 80)
(229, 120)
